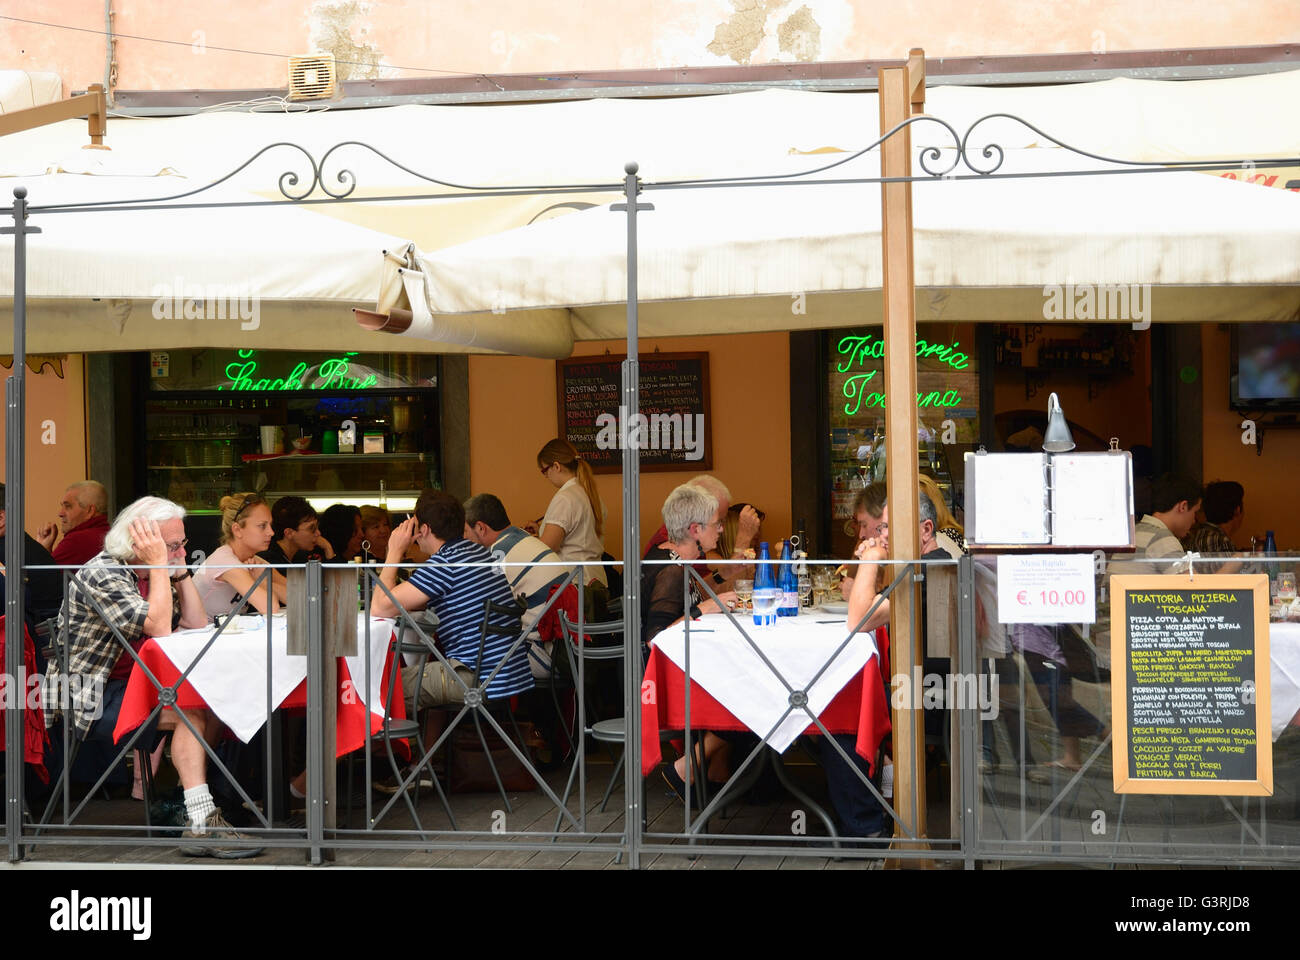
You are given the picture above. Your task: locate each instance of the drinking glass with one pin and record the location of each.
(765, 604)
(1286, 586)
(744, 590)
(805, 590)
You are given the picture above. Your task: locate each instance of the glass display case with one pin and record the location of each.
(347, 429)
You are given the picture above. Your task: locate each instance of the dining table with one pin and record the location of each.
(767, 683)
(246, 673)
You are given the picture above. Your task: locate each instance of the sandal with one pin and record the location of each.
(675, 783)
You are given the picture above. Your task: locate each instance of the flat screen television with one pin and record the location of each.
(1265, 366)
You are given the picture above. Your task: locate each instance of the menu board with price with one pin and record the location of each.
(1191, 685)
(672, 430)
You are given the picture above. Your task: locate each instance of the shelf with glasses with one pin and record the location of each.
(196, 435)
(333, 457)
(215, 466)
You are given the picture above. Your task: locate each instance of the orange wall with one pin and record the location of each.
(50, 467)
(1270, 477)
(504, 36)
(513, 413)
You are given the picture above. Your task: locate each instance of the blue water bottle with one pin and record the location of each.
(788, 583)
(766, 593)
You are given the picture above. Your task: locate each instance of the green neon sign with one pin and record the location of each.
(331, 374)
(856, 350)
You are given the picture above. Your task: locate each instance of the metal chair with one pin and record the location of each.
(477, 700)
(394, 728)
(614, 730)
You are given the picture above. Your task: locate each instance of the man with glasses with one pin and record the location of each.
(139, 587)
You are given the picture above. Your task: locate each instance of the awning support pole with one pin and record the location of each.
(898, 101)
(631, 536)
(15, 395)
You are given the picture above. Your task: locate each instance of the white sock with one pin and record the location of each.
(198, 804)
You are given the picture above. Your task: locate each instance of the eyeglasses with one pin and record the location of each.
(546, 469)
(176, 545)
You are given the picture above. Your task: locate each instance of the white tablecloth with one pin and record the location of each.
(231, 676)
(726, 665)
(1284, 652)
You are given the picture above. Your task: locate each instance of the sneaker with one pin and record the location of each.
(216, 828)
(390, 784)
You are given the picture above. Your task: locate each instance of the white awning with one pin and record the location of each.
(746, 259)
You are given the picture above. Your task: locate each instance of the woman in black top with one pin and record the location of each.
(690, 516)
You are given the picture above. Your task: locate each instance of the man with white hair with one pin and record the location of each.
(83, 520)
(139, 587)
(745, 533)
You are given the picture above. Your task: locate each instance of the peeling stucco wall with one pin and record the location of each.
(739, 36)
(800, 35)
(759, 31)
(216, 46)
(331, 28)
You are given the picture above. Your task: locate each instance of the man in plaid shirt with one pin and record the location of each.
(139, 587)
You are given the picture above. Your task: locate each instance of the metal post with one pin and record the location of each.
(632, 537)
(967, 716)
(15, 394)
(315, 715)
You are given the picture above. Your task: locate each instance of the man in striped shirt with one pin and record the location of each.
(1174, 502)
(457, 594)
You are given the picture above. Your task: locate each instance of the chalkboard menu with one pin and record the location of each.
(672, 431)
(1191, 685)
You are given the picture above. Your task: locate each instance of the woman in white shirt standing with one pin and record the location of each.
(246, 530)
(574, 525)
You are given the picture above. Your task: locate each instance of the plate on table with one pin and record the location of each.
(834, 606)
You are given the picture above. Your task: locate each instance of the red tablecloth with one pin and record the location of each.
(141, 697)
(861, 708)
(34, 735)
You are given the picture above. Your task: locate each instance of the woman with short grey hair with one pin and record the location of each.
(691, 518)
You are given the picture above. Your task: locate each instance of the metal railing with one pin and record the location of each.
(1016, 788)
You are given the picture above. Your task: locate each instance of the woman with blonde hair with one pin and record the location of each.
(227, 575)
(574, 525)
(947, 524)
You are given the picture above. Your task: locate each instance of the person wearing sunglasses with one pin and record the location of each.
(229, 574)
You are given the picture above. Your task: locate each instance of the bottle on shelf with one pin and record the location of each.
(1270, 550)
(788, 584)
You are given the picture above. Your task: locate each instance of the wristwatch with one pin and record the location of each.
(179, 577)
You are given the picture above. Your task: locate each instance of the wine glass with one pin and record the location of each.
(744, 590)
(805, 590)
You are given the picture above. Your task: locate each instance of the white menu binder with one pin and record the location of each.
(1049, 500)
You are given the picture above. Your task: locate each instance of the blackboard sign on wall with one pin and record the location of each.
(1191, 685)
(673, 430)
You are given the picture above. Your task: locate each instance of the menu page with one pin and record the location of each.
(1189, 707)
(1091, 497)
(1010, 498)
